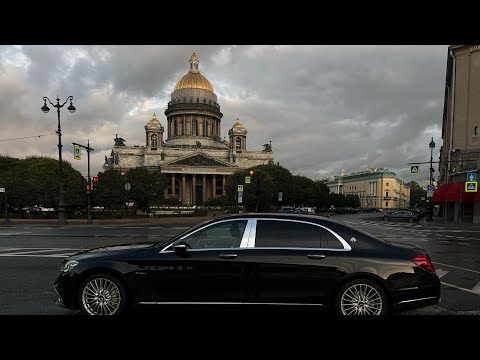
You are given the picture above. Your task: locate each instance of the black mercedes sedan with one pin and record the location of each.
(253, 259)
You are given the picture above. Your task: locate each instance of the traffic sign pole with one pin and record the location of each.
(89, 206)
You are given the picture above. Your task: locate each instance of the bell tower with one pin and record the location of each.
(154, 133)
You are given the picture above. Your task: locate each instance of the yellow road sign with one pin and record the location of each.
(414, 168)
(76, 152)
(471, 186)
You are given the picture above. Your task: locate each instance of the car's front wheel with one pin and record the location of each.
(102, 294)
(410, 219)
(361, 297)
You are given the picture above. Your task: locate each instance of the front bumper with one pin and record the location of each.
(65, 288)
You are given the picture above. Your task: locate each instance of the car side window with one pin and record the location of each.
(287, 234)
(330, 241)
(226, 234)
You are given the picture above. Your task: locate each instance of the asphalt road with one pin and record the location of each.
(30, 258)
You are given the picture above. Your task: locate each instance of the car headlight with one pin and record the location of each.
(69, 265)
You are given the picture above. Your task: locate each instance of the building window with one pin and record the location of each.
(386, 204)
(238, 143)
(154, 140)
(387, 184)
(386, 194)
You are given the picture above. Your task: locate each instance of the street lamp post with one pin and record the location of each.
(45, 109)
(430, 212)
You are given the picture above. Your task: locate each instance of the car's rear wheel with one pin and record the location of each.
(361, 297)
(385, 218)
(410, 219)
(102, 294)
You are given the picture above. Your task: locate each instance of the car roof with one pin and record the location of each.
(291, 216)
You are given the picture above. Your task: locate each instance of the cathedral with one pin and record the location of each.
(192, 154)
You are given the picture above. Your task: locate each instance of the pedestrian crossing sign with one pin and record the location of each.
(76, 152)
(471, 186)
(414, 168)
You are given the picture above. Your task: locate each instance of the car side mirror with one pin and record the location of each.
(180, 249)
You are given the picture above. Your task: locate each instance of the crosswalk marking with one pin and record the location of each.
(476, 288)
(38, 252)
(441, 273)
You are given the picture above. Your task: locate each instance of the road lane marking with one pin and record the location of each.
(441, 273)
(460, 288)
(476, 288)
(456, 267)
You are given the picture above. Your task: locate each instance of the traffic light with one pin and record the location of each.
(252, 172)
(88, 187)
(95, 182)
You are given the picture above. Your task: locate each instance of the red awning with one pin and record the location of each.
(452, 194)
(439, 194)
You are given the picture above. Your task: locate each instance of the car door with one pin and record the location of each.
(210, 271)
(285, 264)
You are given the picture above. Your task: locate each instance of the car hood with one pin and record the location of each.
(111, 250)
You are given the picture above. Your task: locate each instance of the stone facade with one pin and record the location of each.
(193, 156)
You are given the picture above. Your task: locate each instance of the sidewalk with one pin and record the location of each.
(438, 221)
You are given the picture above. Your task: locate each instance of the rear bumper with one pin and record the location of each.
(416, 297)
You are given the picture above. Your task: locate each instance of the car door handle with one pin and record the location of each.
(228, 256)
(316, 256)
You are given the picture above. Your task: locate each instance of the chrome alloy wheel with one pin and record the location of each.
(361, 299)
(101, 296)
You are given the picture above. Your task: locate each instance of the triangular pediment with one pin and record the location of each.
(199, 160)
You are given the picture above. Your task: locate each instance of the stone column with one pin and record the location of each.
(214, 185)
(184, 198)
(223, 185)
(194, 193)
(173, 185)
(204, 189)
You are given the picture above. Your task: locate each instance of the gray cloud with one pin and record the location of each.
(323, 107)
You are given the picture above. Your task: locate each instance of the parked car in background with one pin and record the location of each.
(401, 215)
(417, 212)
(253, 259)
(306, 210)
(371, 210)
(345, 210)
(286, 209)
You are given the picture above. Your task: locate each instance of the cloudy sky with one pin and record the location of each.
(325, 108)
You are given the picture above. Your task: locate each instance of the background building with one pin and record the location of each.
(378, 188)
(460, 151)
(193, 156)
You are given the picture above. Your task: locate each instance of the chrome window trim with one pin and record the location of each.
(407, 301)
(251, 243)
(219, 303)
(243, 243)
(295, 248)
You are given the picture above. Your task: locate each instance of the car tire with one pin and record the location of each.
(102, 294)
(385, 218)
(410, 219)
(361, 297)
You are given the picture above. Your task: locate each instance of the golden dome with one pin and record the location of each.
(238, 125)
(193, 81)
(154, 121)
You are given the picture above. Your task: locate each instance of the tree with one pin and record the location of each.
(34, 181)
(304, 191)
(282, 181)
(322, 194)
(416, 194)
(147, 188)
(257, 196)
(352, 200)
(110, 192)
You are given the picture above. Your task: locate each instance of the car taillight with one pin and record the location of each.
(424, 262)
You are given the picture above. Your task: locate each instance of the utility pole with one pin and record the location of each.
(89, 206)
